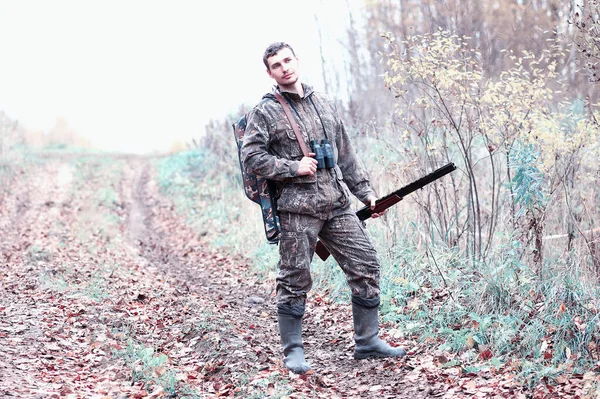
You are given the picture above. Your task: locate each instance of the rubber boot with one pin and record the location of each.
(290, 330)
(366, 328)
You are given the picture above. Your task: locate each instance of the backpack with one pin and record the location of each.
(258, 189)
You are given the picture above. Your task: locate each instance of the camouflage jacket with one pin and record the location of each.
(270, 149)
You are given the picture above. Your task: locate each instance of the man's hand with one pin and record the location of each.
(308, 165)
(371, 201)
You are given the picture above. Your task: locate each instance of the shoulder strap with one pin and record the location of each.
(288, 113)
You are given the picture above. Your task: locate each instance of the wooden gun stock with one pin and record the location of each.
(392, 199)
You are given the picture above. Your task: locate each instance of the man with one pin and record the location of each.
(313, 203)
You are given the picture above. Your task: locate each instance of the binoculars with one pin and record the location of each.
(323, 154)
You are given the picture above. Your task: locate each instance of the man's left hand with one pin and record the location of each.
(371, 200)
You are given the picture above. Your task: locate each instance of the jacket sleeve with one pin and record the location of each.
(255, 155)
(354, 174)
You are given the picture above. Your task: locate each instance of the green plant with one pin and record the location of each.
(148, 366)
(96, 288)
(490, 312)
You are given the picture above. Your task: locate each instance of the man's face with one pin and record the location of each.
(283, 67)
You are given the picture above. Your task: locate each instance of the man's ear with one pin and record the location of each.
(269, 73)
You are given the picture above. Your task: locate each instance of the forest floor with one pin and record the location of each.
(106, 292)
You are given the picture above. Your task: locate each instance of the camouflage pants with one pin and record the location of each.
(346, 239)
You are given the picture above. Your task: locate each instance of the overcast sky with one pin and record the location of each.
(135, 75)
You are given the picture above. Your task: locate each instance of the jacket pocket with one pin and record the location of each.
(298, 198)
(340, 179)
(286, 135)
(303, 179)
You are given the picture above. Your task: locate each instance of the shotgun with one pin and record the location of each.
(389, 200)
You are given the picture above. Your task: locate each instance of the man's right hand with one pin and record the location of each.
(308, 165)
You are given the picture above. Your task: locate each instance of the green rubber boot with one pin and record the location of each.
(290, 330)
(366, 329)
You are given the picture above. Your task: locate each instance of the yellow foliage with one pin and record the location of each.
(439, 75)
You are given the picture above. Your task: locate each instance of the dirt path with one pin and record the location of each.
(107, 292)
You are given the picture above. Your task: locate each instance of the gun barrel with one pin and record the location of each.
(397, 196)
(422, 182)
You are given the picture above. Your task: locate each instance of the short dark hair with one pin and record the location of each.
(274, 49)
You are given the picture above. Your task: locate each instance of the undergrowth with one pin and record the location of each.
(494, 314)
